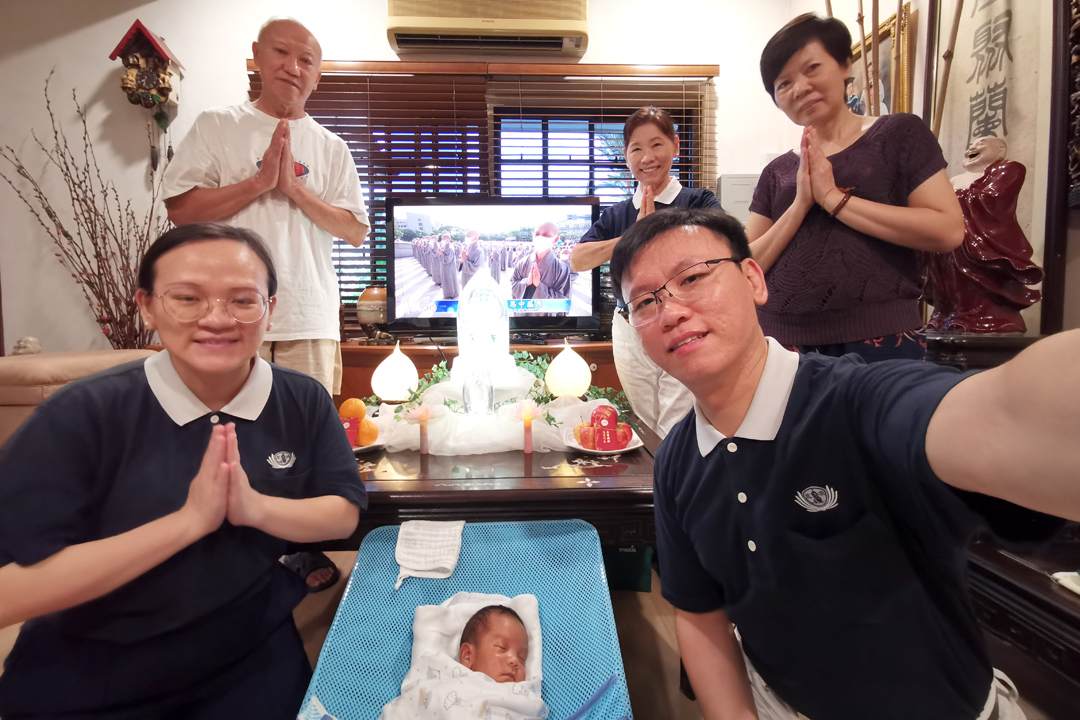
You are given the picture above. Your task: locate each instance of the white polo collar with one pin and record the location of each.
(182, 406)
(766, 410)
(666, 196)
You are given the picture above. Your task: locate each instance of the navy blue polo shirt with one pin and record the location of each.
(618, 218)
(822, 532)
(117, 450)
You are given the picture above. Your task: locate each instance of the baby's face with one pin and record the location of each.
(500, 650)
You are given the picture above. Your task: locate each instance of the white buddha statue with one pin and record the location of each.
(484, 363)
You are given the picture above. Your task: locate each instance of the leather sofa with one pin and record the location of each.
(26, 380)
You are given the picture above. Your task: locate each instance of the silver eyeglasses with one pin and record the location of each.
(690, 285)
(245, 306)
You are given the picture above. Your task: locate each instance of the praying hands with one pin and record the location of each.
(220, 489)
(287, 184)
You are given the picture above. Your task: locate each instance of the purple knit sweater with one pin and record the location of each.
(833, 284)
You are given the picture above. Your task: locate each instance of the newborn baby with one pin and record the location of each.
(494, 642)
(486, 674)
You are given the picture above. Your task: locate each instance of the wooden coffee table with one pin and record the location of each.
(614, 493)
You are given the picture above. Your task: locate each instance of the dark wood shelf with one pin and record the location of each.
(969, 351)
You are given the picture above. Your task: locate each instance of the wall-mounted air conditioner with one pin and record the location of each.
(488, 26)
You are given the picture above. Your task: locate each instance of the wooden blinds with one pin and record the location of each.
(499, 129)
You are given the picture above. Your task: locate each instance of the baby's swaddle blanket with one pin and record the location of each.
(438, 687)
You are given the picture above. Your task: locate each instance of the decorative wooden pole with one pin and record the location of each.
(895, 77)
(875, 61)
(947, 56)
(863, 50)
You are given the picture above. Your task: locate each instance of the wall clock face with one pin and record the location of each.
(147, 78)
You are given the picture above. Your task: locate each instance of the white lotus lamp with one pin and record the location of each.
(568, 375)
(395, 377)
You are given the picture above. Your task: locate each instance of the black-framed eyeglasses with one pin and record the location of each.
(690, 285)
(187, 306)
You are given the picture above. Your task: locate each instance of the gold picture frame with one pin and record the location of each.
(904, 78)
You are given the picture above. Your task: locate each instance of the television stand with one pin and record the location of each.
(530, 337)
(438, 340)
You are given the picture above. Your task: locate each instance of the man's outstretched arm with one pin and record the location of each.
(1013, 432)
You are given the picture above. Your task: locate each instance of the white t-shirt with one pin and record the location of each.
(224, 147)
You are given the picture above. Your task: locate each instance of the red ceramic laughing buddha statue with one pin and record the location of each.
(982, 285)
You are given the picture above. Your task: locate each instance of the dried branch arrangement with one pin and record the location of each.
(101, 241)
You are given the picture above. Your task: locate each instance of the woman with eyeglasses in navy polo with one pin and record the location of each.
(143, 510)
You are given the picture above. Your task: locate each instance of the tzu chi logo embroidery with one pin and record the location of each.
(817, 499)
(281, 460)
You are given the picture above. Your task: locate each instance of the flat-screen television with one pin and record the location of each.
(440, 242)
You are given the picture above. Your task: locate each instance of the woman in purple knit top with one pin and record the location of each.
(837, 226)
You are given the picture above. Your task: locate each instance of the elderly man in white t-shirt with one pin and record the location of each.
(268, 166)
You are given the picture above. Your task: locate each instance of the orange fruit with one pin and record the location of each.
(368, 433)
(352, 408)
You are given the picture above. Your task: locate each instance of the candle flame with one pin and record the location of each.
(527, 410)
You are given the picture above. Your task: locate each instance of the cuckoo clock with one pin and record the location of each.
(147, 80)
(148, 67)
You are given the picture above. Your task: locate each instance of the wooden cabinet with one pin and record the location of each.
(359, 361)
(1032, 623)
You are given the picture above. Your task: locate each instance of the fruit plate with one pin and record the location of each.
(361, 449)
(634, 444)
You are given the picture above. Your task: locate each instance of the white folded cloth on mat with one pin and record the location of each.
(426, 548)
(1068, 580)
(438, 687)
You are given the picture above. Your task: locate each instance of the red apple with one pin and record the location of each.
(585, 435)
(625, 433)
(605, 416)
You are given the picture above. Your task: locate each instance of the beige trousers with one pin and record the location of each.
(321, 359)
(1002, 702)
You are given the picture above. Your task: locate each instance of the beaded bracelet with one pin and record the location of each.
(843, 201)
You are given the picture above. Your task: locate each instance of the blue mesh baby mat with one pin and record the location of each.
(368, 649)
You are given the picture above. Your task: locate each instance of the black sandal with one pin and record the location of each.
(305, 563)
